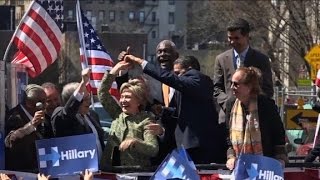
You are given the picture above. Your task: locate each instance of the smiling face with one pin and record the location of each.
(53, 99)
(238, 41)
(240, 90)
(38, 96)
(166, 54)
(129, 102)
(178, 69)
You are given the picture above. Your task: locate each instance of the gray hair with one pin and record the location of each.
(167, 42)
(68, 90)
(32, 92)
(49, 85)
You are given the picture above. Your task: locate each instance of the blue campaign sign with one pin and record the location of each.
(67, 155)
(175, 166)
(256, 167)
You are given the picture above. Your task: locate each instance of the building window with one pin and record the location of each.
(121, 16)
(101, 1)
(153, 34)
(153, 16)
(141, 16)
(131, 16)
(94, 22)
(101, 15)
(89, 1)
(70, 14)
(152, 58)
(171, 17)
(171, 2)
(89, 15)
(112, 16)
(111, 1)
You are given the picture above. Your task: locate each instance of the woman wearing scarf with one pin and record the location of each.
(253, 121)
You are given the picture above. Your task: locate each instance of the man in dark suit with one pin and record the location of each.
(241, 54)
(53, 97)
(162, 107)
(74, 118)
(25, 124)
(197, 119)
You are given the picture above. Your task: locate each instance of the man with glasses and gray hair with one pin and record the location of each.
(74, 118)
(25, 124)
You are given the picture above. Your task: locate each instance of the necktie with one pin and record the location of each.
(239, 61)
(165, 93)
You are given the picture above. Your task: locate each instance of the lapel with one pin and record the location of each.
(248, 61)
(25, 119)
(83, 122)
(172, 91)
(229, 62)
(23, 115)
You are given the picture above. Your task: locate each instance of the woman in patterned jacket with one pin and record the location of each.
(128, 143)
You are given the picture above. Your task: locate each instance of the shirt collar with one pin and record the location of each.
(27, 113)
(242, 54)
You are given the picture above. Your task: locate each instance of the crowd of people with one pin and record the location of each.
(214, 120)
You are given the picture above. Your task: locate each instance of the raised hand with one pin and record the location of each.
(85, 74)
(43, 177)
(122, 65)
(132, 58)
(88, 175)
(38, 118)
(123, 53)
(4, 177)
(231, 163)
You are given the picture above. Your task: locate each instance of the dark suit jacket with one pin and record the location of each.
(22, 156)
(197, 118)
(316, 150)
(224, 69)
(68, 122)
(271, 127)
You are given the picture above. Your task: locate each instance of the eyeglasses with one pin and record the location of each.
(235, 84)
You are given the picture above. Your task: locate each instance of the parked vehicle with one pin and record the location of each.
(105, 119)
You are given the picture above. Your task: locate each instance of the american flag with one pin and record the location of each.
(39, 36)
(93, 54)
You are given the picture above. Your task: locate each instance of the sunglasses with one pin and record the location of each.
(235, 84)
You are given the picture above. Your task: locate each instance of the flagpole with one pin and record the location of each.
(5, 56)
(81, 36)
(82, 44)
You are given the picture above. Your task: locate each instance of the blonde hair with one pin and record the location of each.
(251, 76)
(139, 89)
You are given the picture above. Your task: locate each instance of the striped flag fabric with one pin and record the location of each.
(39, 36)
(93, 54)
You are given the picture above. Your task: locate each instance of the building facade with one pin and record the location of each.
(159, 19)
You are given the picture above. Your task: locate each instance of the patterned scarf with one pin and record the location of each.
(245, 132)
